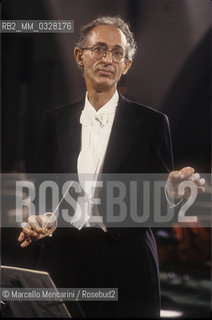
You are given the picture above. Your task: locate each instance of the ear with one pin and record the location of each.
(78, 56)
(127, 65)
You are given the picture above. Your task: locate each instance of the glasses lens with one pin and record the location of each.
(118, 55)
(99, 52)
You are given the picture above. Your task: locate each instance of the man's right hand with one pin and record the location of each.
(38, 227)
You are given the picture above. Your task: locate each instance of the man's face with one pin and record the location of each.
(103, 74)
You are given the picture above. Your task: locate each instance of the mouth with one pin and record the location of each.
(104, 72)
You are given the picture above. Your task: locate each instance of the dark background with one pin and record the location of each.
(171, 73)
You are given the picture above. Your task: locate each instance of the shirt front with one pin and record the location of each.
(95, 134)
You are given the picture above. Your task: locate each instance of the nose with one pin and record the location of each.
(108, 57)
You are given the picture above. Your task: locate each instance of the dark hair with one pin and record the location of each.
(115, 21)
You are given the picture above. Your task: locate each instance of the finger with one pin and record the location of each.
(34, 222)
(186, 172)
(200, 182)
(195, 176)
(174, 174)
(21, 236)
(201, 189)
(29, 239)
(174, 177)
(27, 232)
(26, 242)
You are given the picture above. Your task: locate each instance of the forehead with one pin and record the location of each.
(107, 34)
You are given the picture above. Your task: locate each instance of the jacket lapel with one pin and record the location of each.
(123, 134)
(69, 136)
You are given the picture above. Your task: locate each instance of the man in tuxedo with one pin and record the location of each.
(106, 133)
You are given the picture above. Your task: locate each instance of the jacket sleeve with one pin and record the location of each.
(165, 152)
(162, 154)
(46, 158)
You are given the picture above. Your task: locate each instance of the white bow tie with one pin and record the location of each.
(87, 119)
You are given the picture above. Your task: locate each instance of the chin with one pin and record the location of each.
(103, 87)
(104, 84)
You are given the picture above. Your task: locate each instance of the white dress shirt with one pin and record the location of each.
(96, 129)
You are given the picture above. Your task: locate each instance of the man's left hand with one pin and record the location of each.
(175, 178)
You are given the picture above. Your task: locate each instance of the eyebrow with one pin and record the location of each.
(105, 45)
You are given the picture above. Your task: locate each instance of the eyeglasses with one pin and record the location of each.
(98, 52)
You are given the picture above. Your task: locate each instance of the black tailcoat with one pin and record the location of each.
(123, 258)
